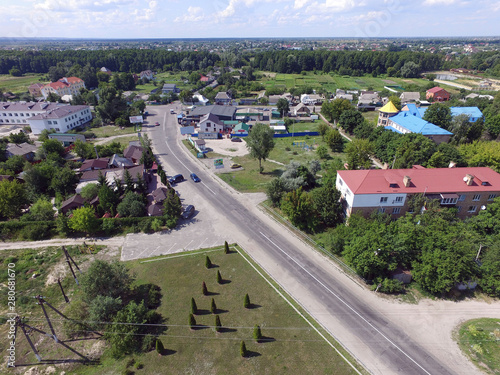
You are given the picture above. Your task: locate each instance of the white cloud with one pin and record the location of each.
(340, 5)
(300, 3)
(439, 2)
(194, 14)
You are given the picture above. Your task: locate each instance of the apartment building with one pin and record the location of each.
(64, 86)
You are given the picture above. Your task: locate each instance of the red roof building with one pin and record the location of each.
(64, 86)
(437, 94)
(469, 190)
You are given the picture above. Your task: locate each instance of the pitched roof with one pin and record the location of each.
(222, 95)
(133, 152)
(410, 95)
(76, 199)
(436, 89)
(423, 180)
(160, 194)
(60, 112)
(389, 108)
(20, 149)
(469, 111)
(416, 125)
(101, 163)
(155, 210)
(218, 110)
(211, 117)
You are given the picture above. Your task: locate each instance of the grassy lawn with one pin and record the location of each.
(18, 85)
(305, 126)
(371, 116)
(111, 130)
(124, 141)
(479, 339)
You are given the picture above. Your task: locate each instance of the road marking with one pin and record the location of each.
(185, 247)
(346, 304)
(199, 246)
(170, 248)
(208, 188)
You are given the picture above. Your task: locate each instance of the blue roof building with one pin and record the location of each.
(405, 122)
(474, 113)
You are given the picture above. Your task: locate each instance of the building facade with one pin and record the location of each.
(64, 86)
(469, 190)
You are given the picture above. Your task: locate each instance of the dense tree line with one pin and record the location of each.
(347, 62)
(126, 60)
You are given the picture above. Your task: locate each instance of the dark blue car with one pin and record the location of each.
(194, 177)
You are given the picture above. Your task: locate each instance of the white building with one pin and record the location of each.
(42, 115)
(65, 86)
(210, 127)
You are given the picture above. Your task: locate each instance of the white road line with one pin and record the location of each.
(208, 188)
(199, 246)
(347, 305)
(185, 247)
(170, 248)
(139, 256)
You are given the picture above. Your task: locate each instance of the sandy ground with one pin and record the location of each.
(226, 147)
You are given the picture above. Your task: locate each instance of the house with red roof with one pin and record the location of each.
(64, 86)
(437, 94)
(469, 190)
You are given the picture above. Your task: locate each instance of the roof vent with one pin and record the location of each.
(406, 181)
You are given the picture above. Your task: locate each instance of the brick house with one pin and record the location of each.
(437, 94)
(469, 190)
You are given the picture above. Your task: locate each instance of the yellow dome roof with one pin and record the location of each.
(389, 108)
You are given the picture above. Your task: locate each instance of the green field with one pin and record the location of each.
(111, 130)
(18, 85)
(479, 340)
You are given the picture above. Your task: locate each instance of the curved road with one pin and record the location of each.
(302, 272)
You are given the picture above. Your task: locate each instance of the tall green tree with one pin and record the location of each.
(334, 140)
(84, 220)
(438, 114)
(326, 200)
(12, 198)
(359, 152)
(260, 142)
(298, 206)
(350, 119)
(283, 106)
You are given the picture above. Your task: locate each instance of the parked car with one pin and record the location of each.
(194, 177)
(235, 139)
(235, 165)
(175, 179)
(188, 212)
(157, 123)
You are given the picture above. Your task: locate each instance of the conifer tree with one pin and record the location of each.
(219, 277)
(257, 334)
(246, 303)
(204, 289)
(208, 262)
(194, 308)
(218, 324)
(159, 346)
(243, 349)
(226, 247)
(213, 307)
(192, 321)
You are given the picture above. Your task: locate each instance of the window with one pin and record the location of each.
(449, 201)
(472, 209)
(461, 198)
(49, 122)
(476, 197)
(383, 199)
(341, 182)
(381, 210)
(396, 210)
(399, 199)
(459, 208)
(491, 197)
(22, 114)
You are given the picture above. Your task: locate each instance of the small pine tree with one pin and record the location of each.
(246, 303)
(213, 307)
(226, 247)
(208, 262)
(159, 346)
(243, 349)
(218, 324)
(194, 308)
(257, 334)
(219, 277)
(192, 321)
(204, 289)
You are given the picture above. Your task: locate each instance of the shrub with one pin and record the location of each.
(218, 324)
(322, 152)
(36, 231)
(194, 308)
(226, 247)
(208, 262)
(389, 286)
(138, 365)
(145, 225)
(192, 321)
(246, 303)
(219, 277)
(213, 307)
(108, 225)
(148, 343)
(159, 346)
(243, 349)
(257, 334)
(156, 224)
(204, 289)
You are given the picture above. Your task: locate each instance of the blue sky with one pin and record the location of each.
(248, 18)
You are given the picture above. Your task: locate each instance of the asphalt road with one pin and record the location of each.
(382, 346)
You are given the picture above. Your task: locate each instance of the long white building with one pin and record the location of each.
(42, 115)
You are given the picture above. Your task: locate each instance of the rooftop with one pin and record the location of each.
(416, 125)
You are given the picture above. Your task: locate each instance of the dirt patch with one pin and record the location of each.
(227, 147)
(389, 82)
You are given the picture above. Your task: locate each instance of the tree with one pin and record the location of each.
(246, 302)
(64, 181)
(52, 146)
(111, 104)
(103, 309)
(106, 279)
(243, 349)
(213, 307)
(186, 96)
(257, 334)
(219, 277)
(298, 206)
(192, 321)
(172, 206)
(208, 262)
(283, 106)
(275, 190)
(396, 101)
(159, 346)
(12, 198)
(326, 201)
(226, 247)
(132, 205)
(218, 325)
(42, 210)
(334, 140)
(323, 129)
(438, 114)
(322, 152)
(84, 220)
(413, 148)
(19, 138)
(260, 142)
(194, 308)
(350, 119)
(83, 149)
(90, 191)
(359, 152)
(334, 109)
(108, 199)
(410, 70)
(204, 289)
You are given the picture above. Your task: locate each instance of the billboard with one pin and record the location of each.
(135, 119)
(187, 130)
(219, 163)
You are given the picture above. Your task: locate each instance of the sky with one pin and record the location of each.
(248, 18)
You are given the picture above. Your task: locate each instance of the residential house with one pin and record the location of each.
(341, 94)
(273, 99)
(311, 99)
(76, 201)
(200, 145)
(409, 97)
(159, 195)
(410, 121)
(469, 190)
(155, 209)
(35, 89)
(118, 161)
(26, 150)
(67, 139)
(204, 78)
(241, 129)
(170, 88)
(300, 110)
(134, 153)
(118, 174)
(249, 114)
(106, 70)
(94, 164)
(437, 94)
(224, 113)
(210, 127)
(64, 86)
(223, 98)
(369, 100)
(147, 74)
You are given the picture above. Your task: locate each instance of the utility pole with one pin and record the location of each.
(68, 258)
